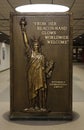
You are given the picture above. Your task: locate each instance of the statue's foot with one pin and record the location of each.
(29, 109)
(26, 109)
(36, 108)
(43, 109)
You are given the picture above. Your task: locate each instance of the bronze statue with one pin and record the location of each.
(37, 73)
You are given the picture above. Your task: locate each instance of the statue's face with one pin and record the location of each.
(36, 48)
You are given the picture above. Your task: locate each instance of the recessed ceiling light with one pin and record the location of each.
(41, 8)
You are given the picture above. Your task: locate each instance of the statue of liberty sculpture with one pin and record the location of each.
(36, 73)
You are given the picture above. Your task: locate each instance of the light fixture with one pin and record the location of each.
(41, 8)
(3, 45)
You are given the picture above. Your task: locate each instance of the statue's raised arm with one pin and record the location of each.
(23, 24)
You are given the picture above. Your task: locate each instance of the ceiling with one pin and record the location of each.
(76, 7)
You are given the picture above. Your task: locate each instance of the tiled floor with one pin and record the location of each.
(78, 106)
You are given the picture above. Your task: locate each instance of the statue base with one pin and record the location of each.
(41, 116)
